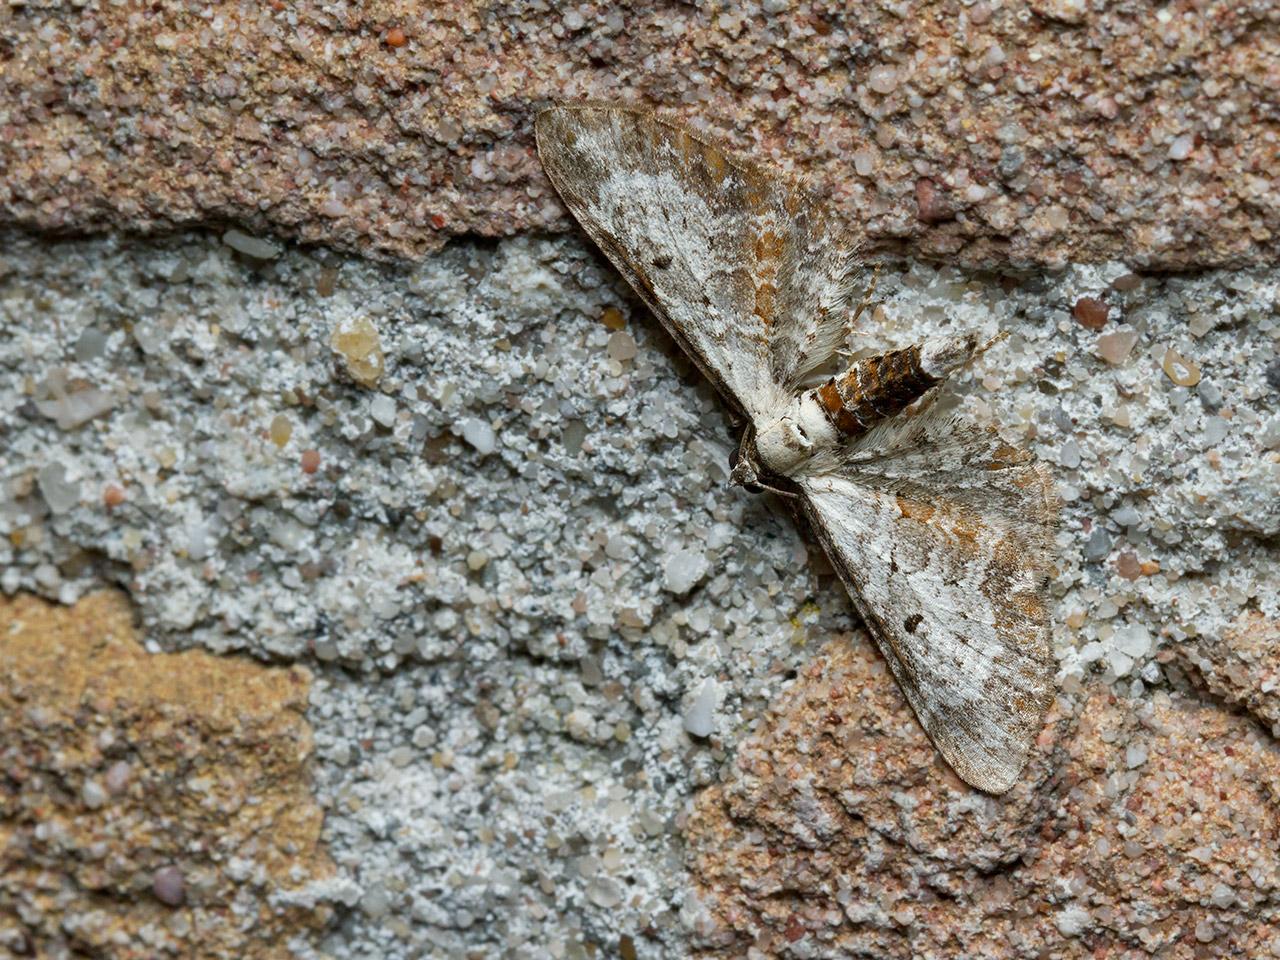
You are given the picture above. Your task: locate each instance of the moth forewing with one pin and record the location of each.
(745, 272)
(937, 530)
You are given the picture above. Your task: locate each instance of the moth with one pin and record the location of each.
(940, 530)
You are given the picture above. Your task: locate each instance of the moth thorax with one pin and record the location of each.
(795, 436)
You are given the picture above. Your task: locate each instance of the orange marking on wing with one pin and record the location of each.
(755, 193)
(766, 294)
(768, 248)
(1006, 455)
(966, 532)
(1014, 607)
(716, 164)
(964, 527)
(915, 509)
(686, 145)
(1029, 605)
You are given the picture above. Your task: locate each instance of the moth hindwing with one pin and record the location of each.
(939, 530)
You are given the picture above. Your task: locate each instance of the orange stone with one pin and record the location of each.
(360, 346)
(1127, 565)
(1183, 372)
(1090, 313)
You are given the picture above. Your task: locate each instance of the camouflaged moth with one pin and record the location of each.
(940, 531)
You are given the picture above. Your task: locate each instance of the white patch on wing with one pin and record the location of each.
(683, 227)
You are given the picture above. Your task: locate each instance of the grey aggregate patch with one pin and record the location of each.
(518, 572)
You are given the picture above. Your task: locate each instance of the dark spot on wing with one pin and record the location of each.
(912, 622)
(662, 261)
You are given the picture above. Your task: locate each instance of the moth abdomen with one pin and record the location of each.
(882, 386)
(874, 388)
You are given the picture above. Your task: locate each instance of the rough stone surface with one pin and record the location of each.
(1142, 827)
(523, 458)
(990, 132)
(150, 805)
(1241, 665)
(574, 697)
(508, 552)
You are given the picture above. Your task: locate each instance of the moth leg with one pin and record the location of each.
(867, 299)
(780, 492)
(998, 338)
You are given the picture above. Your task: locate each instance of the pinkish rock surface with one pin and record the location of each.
(1241, 667)
(992, 133)
(1138, 829)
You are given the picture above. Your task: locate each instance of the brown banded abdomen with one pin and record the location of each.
(873, 389)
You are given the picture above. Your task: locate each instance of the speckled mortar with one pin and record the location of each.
(483, 498)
